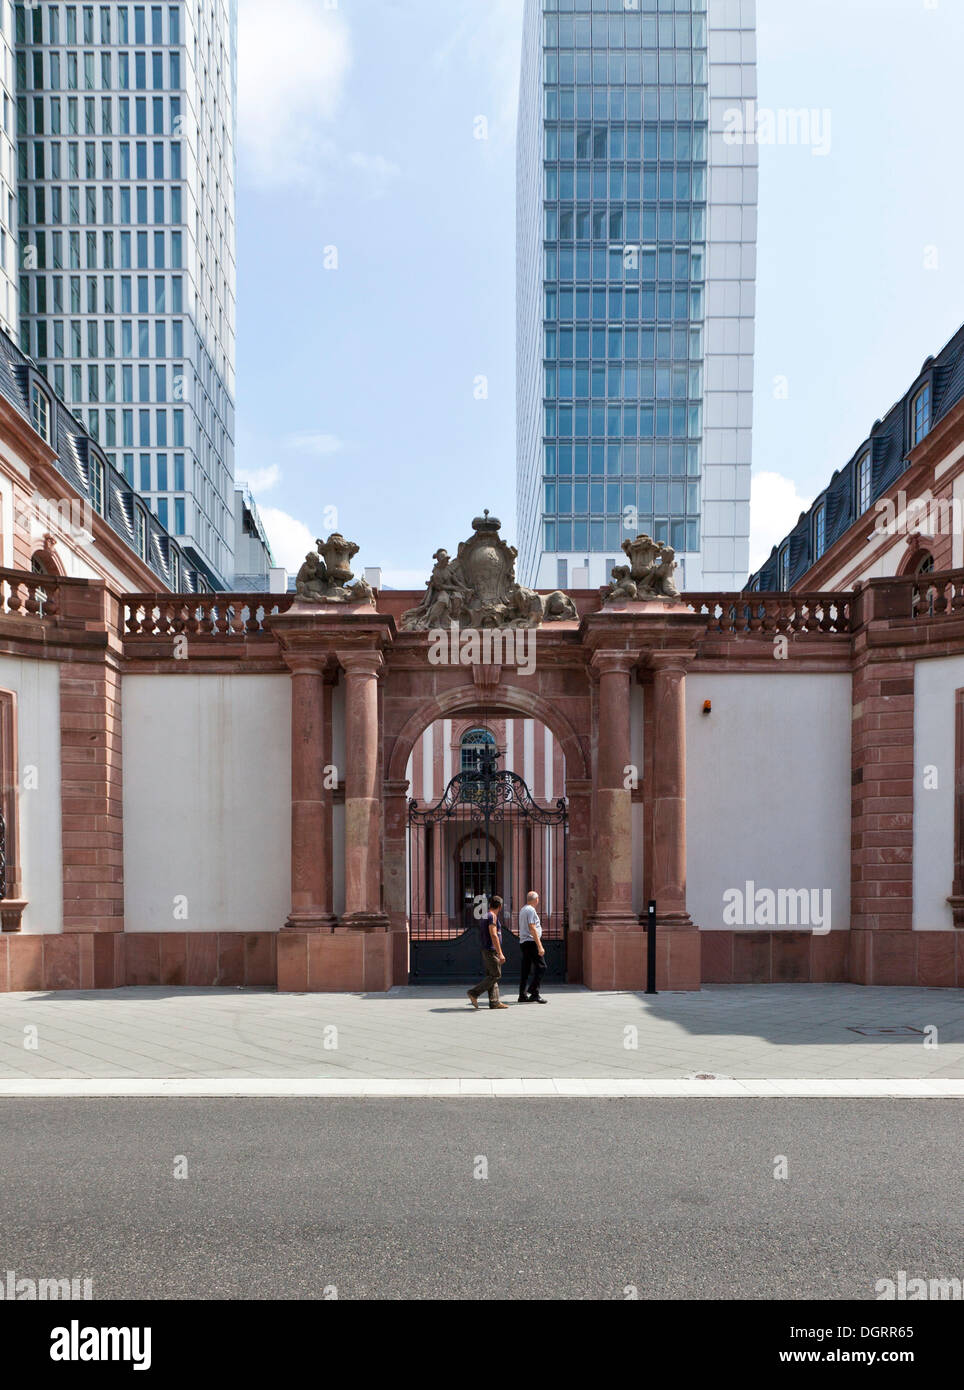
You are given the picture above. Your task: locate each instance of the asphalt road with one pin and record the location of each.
(385, 1199)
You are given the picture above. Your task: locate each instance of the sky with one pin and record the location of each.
(376, 257)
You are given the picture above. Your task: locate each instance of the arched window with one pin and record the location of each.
(925, 564)
(472, 746)
(921, 414)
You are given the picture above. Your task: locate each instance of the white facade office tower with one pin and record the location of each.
(636, 258)
(126, 202)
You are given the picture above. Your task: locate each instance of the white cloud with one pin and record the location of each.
(490, 33)
(293, 61)
(775, 507)
(260, 479)
(290, 539)
(322, 445)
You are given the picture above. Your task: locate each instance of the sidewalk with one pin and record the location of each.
(745, 1032)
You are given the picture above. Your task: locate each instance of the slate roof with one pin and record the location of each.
(890, 442)
(75, 450)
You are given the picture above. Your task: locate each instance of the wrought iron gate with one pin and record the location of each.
(487, 835)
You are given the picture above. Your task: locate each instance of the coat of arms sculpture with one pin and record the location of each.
(478, 589)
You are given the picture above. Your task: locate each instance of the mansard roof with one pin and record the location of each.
(889, 445)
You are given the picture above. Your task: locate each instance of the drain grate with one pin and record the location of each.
(905, 1031)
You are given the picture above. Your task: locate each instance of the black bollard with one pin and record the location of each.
(651, 950)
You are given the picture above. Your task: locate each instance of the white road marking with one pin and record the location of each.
(455, 1088)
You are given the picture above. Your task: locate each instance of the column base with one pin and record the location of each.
(343, 961)
(311, 921)
(366, 921)
(616, 959)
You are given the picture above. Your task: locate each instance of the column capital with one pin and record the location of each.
(305, 663)
(671, 661)
(605, 662)
(367, 662)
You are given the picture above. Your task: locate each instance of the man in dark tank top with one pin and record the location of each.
(493, 959)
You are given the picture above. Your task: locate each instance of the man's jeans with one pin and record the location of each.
(493, 974)
(532, 963)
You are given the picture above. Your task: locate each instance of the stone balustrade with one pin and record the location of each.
(200, 615)
(773, 613)
(29, 595)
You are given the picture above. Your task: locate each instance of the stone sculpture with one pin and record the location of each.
(649, 575)
(326, 575)
(478, 589)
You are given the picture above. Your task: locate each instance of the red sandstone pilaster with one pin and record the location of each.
(310, 798)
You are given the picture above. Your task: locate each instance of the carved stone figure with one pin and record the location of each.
(338, 554)
(478, 589)
(326, 575)
(362, 592)
(559, 608)
(622, 583)
(312, 581)
(649, 574)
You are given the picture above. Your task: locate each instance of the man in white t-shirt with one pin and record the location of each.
(533, 951)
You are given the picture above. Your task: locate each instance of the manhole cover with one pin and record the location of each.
(904, 1032)
(706, 1076)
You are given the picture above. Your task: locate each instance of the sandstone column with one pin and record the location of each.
(613, 829)
(310, 799)
(678, 940)
(363, 845)
(669, 788)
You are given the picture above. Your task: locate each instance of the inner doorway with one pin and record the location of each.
(486, 833)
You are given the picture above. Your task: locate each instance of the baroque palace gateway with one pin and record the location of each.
(218, 789)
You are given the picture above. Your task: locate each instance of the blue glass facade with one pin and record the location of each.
(611, 439)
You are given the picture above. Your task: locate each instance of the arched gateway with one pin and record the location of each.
(478, 644)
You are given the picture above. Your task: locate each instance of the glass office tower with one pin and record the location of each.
(636, 266)
(126, 202)
(9, 317)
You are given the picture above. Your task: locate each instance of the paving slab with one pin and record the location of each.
(738, 1032)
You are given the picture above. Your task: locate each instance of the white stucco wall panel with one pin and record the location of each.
(768, 789)
(207, 802)
(935, 687)
(36, 685)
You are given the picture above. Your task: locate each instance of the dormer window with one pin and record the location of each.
(97, 485)
(819, 532)
(140, 523)
(40, 412)
(783, 570)
(921, 414)
(864, 478)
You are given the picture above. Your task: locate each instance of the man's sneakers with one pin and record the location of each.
(472, 999)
